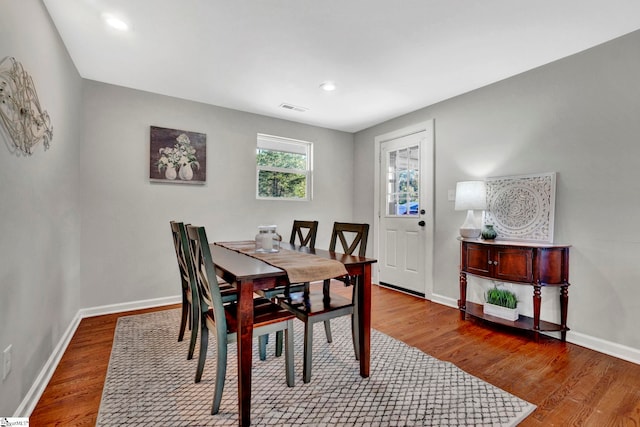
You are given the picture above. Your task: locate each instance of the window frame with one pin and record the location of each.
(286, 145)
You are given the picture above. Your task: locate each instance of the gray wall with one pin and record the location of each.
(39, 207)
(127, 253)
(578, 117)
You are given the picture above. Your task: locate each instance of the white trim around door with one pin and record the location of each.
(425, 131)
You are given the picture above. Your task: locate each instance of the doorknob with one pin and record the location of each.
(422, 223)
(422, 212)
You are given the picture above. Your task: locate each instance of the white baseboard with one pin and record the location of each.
(440, 299)
(30, 401)
(602, 346)
(128, 306)
(623, 352)
(32, 397)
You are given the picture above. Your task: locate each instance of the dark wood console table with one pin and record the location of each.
(535, 264)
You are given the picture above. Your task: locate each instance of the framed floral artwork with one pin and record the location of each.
(177, 156)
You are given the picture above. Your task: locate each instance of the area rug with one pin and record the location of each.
(150, 383)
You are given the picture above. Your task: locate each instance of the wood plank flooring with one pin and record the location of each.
(571, 385)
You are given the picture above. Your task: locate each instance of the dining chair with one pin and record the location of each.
(190, 316)
(313, 307)
(303, 233)
(221, 319)
(352, 237)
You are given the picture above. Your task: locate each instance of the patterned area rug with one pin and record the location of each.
(150, 383)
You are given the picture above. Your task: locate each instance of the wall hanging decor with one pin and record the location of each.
(22, 117)
(522, 207)
(177, 156)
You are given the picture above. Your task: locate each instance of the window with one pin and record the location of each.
(283, 168)
(403, 178)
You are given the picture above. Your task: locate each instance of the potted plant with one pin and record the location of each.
(501, 303)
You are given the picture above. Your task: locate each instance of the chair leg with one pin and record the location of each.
(355, 326)
(288, 333)
(308, 352)
(185, 315)
(326, 296)
(190, 325)
(327, 330)
(221, 373)
(204, 343)
(193, 319)
(262, 344)
(355, 332)
(278, 343)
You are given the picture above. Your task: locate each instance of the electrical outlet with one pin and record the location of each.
(6, 362)
(451, 195)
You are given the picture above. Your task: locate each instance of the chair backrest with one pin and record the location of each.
(356, 234)
(206, 281)
(306, 232)
(181, 246)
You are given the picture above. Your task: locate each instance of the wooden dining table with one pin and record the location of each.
(249, 274)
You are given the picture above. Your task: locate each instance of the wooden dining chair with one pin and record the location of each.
(352, 238)
(190, 316)
(221, 319)
(313, 307)
(303, 233)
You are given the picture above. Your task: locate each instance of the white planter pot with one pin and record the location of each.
(501, 312)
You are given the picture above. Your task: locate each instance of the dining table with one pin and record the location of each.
(250, 274)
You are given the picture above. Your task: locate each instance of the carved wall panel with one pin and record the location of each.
(522, 207)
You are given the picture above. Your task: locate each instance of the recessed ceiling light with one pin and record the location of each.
(328, 86)
(115, 22)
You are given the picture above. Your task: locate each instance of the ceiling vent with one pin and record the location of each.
(293, 108)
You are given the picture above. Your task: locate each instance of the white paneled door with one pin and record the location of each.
(405, 232)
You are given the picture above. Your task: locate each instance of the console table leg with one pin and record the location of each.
(537, 300)
(564, 303)
(462, 302)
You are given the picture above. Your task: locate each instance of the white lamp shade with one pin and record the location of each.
(471, 195)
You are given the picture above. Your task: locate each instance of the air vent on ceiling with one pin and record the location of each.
(293, 108)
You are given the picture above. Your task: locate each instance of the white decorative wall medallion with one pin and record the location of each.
(21, 115)
(522, 207)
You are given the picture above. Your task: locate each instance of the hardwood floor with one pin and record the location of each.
(571, 385)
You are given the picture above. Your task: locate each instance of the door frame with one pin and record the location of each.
(428, 127)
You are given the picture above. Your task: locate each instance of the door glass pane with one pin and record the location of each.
(403, 177)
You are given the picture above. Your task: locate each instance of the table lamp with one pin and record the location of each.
(470, 196)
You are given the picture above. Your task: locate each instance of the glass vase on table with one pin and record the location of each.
(267, 240)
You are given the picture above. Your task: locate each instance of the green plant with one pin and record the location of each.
(502, 297)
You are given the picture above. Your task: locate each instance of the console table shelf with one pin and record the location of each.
(522, 263)
(523, 322)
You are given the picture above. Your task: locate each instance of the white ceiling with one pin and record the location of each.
(388, 57)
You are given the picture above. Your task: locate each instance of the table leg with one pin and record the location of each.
(364, 321)
(564, 302)
(537, 300)
(245, 338)
(462, 302)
